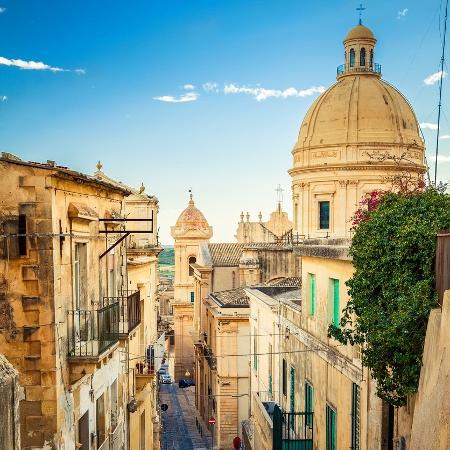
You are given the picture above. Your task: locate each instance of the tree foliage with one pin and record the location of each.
(393, 287)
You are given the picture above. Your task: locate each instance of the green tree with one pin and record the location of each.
(393, 287)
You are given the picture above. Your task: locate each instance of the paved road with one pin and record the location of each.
(179, 427)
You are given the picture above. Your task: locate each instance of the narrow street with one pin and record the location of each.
(179, 430)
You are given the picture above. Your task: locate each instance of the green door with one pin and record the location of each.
(336, 302)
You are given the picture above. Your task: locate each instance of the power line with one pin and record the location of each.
(440, 94)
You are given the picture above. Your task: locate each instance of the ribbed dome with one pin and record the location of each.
(359, 32)
(358, 109)
(192, 218)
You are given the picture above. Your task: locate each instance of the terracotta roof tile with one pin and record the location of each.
(225, 254)
(232, 298)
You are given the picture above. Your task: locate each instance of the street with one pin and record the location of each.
(179, 430)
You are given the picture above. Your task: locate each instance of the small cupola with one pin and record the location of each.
(359, 49)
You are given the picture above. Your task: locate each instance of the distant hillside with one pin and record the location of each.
(167, 256)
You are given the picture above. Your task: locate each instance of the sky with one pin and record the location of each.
(198, 94)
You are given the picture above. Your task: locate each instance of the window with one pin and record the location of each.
(114, 405)
(334, 309)
(292, 391)
(352, 57)
(324, 215)
(356, 400)
(192, 260)
(371, 57)
(362, 57)
(100, 420)
(22, 232)
(311, 286)
(331, 428)
(233, 279)
(309, 403)
(80, 276)
(270, 372)
(284, 378)
(142, 432)
(16, 245)
(255, 350)
(192, 297)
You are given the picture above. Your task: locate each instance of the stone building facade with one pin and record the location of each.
(190, 231)
(357, 137)
(70, 319)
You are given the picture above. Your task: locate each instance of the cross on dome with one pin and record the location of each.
(360, 9)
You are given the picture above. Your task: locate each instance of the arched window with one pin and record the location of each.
(192, 260)
(352, 57)
(371, 57)
(362, 57)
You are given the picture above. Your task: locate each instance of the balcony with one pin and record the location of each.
(91, 333)
(129, 311)
(347, 68)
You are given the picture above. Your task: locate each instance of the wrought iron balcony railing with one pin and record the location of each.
(347, 68)
(91, 332)
(210, 358)
(129, 310)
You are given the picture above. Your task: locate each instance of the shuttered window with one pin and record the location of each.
(356, 400)
(311, 293)
(331, 428)
(309, 403)
(324, 215)
(334, 302)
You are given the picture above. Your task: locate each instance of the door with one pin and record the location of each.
(83, 431)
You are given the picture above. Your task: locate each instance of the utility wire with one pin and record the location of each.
(440, 93)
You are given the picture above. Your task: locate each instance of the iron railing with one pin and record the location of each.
(347, 68)
(129, 310)
(292, 430)
(210, 358)
(92, 332)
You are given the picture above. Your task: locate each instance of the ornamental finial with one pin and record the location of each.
(142, 188)
(99, 166)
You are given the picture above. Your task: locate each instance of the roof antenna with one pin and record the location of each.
(440, 95)
(360, 9)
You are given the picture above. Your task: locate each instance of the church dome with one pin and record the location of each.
(359, 32)
(192, 218)
(359, 116)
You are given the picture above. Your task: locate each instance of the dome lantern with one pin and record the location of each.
(359, 51)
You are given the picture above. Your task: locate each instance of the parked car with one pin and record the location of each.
(186, 383)
(165, 379)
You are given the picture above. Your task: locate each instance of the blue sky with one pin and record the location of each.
(233, 149)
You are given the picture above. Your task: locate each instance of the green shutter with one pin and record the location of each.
(309, 403)
(336, 309)
(313, 294)
(331, 428)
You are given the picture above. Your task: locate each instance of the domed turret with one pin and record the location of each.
(356, 134)
(192, 221)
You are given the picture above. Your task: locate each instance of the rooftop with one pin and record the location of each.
(64, 172)
(234, 298)
(225, 254)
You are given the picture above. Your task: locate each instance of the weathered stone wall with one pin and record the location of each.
(9, 406)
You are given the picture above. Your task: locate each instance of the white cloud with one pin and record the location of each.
(189, 97)
(428, 126)
(188, 87)
(3, 98)
(445, 136)
(209, 86)
(80, 71)
(2, 10)
(402, 13)
(434, 78)
(34, 65)
(261, 94)
(441, 158)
